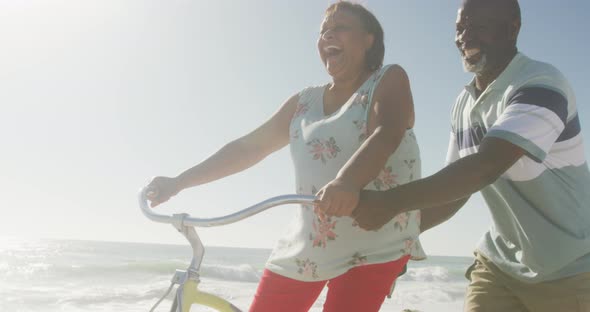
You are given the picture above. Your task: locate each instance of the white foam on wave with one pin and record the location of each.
(427, 274)
(241, 273)
(421, 292)
(24, 271)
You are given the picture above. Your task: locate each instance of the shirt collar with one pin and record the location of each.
(502, 81)
(470, 88)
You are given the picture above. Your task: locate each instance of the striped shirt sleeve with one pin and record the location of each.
(533, 120)
(453, 150)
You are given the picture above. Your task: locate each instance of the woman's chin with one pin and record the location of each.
(335, 70)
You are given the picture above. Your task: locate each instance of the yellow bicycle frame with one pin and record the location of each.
(190, 294)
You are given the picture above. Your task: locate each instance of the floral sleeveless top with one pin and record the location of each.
(313, 250)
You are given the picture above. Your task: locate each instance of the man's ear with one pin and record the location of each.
(370, 39)
(514, 30)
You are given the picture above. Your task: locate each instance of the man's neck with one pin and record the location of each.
(484, 79)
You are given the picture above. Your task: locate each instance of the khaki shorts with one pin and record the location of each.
(491, 290)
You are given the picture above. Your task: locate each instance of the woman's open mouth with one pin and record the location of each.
(332, 51)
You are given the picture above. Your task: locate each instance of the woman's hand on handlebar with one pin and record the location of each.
(161, 189)
(337, 198)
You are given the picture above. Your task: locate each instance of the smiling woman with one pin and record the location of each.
(349, 22)
(352, 133)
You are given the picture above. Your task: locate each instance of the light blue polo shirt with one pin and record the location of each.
(540, 206)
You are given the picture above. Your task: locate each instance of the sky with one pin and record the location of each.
(98, 96)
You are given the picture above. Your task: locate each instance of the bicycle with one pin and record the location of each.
(188, 292)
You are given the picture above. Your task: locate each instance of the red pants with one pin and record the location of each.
(361, 289)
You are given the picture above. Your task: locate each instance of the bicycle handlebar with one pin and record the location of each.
(227, 219)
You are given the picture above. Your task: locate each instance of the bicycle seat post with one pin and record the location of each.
(198, 249)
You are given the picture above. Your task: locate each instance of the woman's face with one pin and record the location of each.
(343, 43)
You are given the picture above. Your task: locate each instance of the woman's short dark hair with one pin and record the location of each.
(374, 58)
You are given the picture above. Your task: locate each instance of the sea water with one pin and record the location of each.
(67, 276)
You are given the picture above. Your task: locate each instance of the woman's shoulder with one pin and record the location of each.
(393, 70)
(391, 75)
(388, 74)
(312, 88)
(310, 92)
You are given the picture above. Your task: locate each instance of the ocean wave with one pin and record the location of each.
(36, 270)
(433, 274)
(157, 268)
(419, 293)
(100, 276)
(240, 273)
(26, 270)
(153, 267)
(97, 296)
(127, 269)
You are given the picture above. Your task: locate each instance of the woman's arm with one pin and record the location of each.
(234, 157)
(391, 115)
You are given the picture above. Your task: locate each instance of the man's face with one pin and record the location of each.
(483, 36)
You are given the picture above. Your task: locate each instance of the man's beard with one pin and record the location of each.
(476, 68)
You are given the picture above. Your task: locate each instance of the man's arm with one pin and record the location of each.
(435, 216)
(533, 120)
(455, 182)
